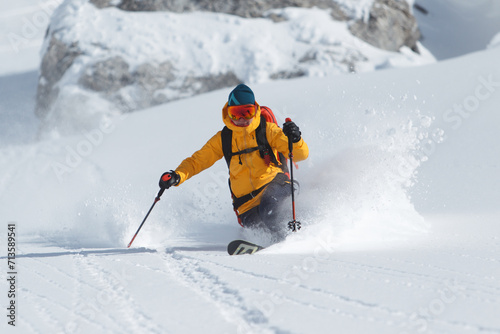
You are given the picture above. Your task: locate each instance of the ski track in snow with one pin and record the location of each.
(96, 290)
(195, 275)
(371, 273)
(446, 282)
(103, 283)
(131, 313)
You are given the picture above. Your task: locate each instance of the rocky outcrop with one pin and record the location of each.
(107, 76)
(114, 80)
(106, 72)
(57, 59)
(390, 26)
(249, 9)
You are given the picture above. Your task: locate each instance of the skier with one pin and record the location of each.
(258, 186)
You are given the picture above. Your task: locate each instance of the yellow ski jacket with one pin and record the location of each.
(247, 172)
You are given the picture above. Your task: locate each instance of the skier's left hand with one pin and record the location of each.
(291, 130)
(169, 179)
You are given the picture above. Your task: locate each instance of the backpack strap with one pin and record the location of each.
(265, 150)
(227, 139)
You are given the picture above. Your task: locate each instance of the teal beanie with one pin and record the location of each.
(241, 95)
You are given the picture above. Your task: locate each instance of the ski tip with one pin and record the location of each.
(240, 247)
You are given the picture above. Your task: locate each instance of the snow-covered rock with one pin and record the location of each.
(135, 54)
(495, 41)
(390, 26)
(235, 7)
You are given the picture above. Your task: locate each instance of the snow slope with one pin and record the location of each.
(367, 261)
(398, 202)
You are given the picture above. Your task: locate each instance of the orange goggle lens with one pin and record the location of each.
(246, 111)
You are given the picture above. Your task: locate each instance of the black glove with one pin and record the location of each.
(169, 179)
(291, 130)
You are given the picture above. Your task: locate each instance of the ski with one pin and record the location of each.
(239, 247)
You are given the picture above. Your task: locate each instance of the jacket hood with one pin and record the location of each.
(252, 127)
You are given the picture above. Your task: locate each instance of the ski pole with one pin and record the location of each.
(293, 225)
(151, 208)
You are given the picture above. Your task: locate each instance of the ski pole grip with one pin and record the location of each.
(164, 178)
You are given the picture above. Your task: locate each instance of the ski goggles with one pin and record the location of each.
(245, 111)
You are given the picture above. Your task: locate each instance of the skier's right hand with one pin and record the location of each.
(291, 130)
(169, 179)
